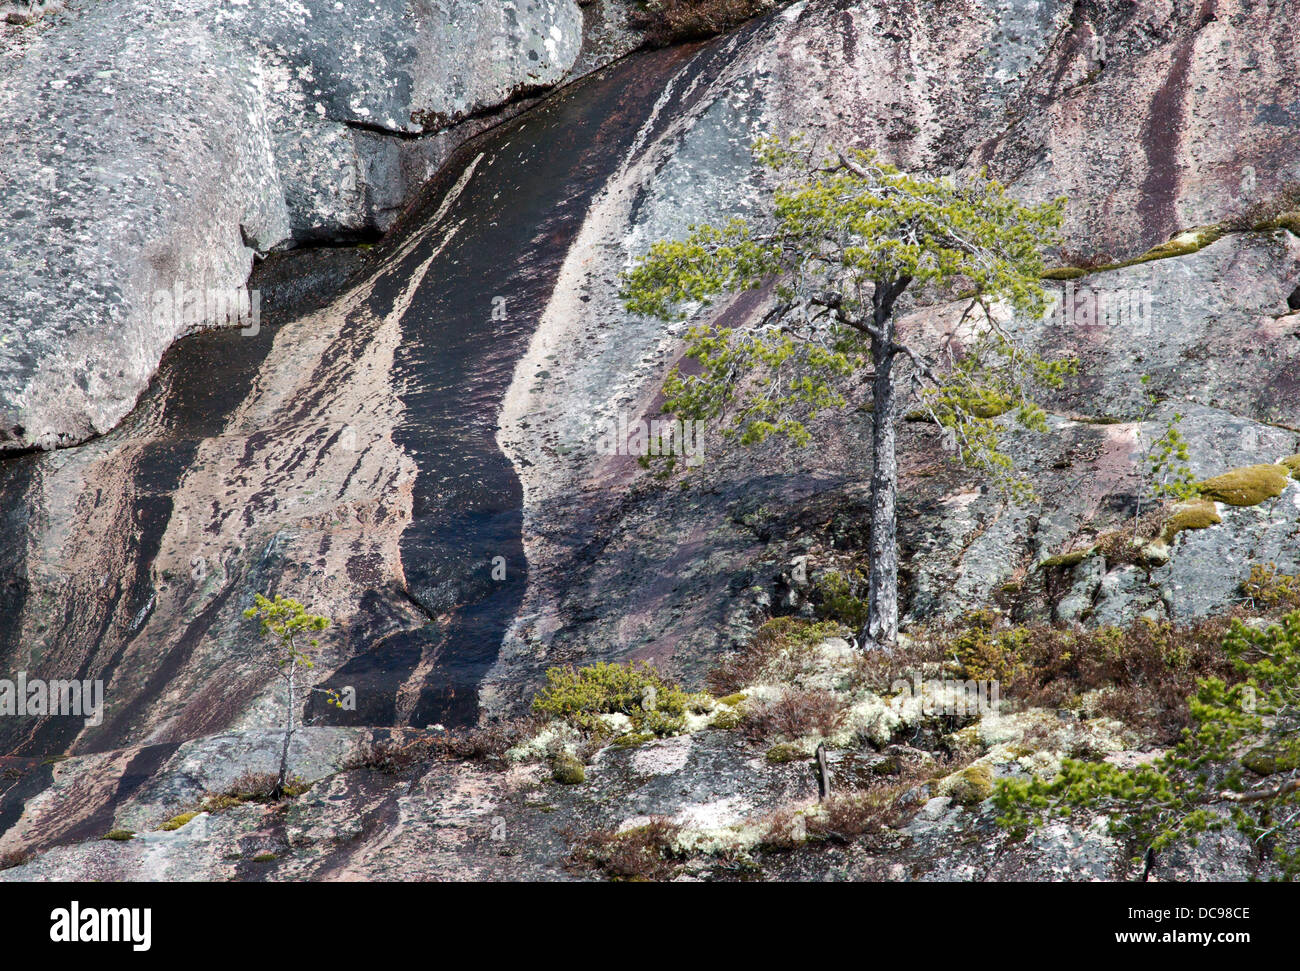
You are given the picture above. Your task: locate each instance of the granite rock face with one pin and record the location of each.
(346, 453)
(155, 153)
(674, 575)
(1121, 106)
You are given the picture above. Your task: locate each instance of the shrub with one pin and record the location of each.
(774, 653)
(1267, 588)
(786, 829)
(1239, 752)
(253, 787)
(797, 713)
(581, 695)
(646, 852)
(488, 743)
(1149, 667)
(839, 601)
(1280, 212)
(849, 814)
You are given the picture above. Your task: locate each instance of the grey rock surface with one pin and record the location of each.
(625, 567)
(159, 150)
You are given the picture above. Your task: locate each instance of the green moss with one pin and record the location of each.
(727, 719)
(568, 771)
(1063, 561)
(732, 700)
(1275, 757)
(264, 858)
(119, 835)
(1246, 486)
(971, 785)
(581, 695)
(1198, 514)
(633, 739)
(1098, 420)
(1065, 273)
(1290, 221)
(216, 803)
(836, 601)
(1292, 462)
(782, 753)
(176, 822)
(1183, 243)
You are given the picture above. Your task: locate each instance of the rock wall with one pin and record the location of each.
(1139, 113)
(174, 140)
(347, 454)
(623, 568)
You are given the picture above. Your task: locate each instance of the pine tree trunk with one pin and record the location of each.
(882, 596)
(278, 792)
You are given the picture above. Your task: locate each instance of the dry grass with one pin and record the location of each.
(876, 810)
(796, 713)
(776, 653)
(1149, 669)
(1279, 211)
(646, 853)
(490, 743)
(852, 814)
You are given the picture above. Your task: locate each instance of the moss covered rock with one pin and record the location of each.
(1064, 561)
(782, 753)
(1198, 514)
(970, 786)
(568, 771)
(1274, 758)
(176, 822)
(1246, 486)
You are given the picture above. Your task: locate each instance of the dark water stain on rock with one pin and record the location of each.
(216, 455)
(517, 215)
